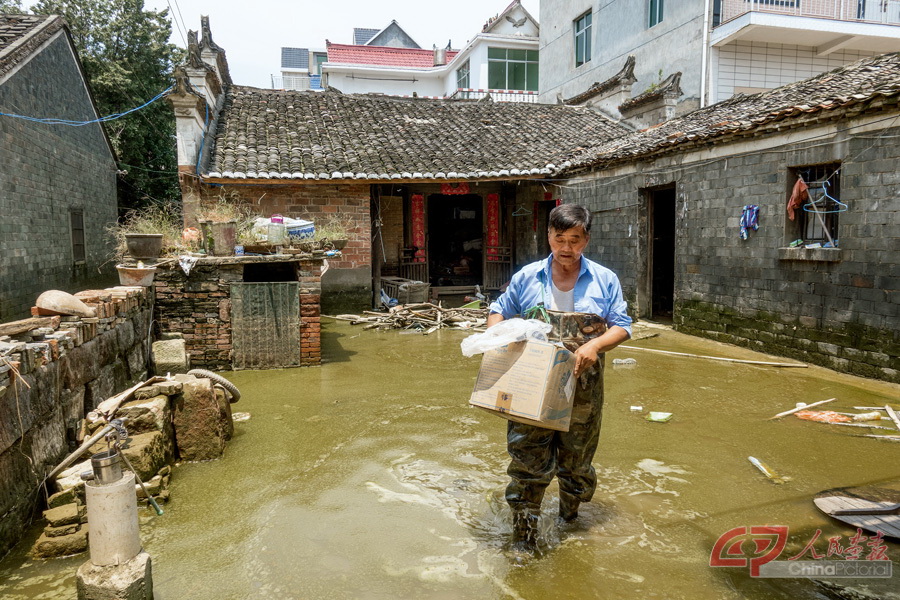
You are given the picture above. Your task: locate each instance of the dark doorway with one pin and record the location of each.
(455, 229)
(662, 253)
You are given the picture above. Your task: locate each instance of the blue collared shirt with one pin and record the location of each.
(597, 291)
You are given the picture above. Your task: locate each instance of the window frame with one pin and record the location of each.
(463, 73)
(806, 226)
(656, 12)
(582, 27)
(77, 237)
(530, 66)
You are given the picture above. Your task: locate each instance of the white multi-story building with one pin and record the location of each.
(501, 60)
(721, 47)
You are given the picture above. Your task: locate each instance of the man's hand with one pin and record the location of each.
(588, 354)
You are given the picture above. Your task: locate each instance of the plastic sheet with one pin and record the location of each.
(505, 332)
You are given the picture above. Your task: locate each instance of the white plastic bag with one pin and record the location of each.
(505, 332)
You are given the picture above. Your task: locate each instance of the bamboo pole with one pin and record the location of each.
(799, 408)
(892, 415)
(734, 360)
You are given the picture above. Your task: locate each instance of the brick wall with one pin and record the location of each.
(68, 366)
(348, 282)
(199, 307)
(46, 171)
(840, 312)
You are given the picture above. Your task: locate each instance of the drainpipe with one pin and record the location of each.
(704, 53)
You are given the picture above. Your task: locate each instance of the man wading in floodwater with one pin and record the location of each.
(569, 283)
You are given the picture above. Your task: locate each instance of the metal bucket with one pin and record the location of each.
(107, 467)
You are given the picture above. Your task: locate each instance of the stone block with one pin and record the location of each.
(61, 531)
(169, 356)
(64, 545)
(149, 452)
(146, 415)
(62, 498)
(199, 433)
(132, 580)
(67, 514)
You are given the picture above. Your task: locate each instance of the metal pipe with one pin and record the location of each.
(81, 450)
(703, 55)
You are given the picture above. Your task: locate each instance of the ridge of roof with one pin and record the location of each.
(831, 93)
(623, 77)
(670, 87)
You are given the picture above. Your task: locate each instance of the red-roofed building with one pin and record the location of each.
(349, 54)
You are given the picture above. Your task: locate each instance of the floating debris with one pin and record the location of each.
(424, 317)
(659, 417)
(767, 471)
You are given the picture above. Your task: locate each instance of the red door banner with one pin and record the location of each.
(418, 226)
(493, 226)
(455, 188)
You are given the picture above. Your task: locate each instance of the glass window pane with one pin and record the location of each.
(531, 55)
(532, 82)
(516, 76)
(587, 45)
(516, 55)
(497, 53)
(497, 75)
(587, 19)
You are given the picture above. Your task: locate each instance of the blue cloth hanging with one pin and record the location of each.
(749, 220)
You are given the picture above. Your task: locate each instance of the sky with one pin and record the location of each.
(253, 32)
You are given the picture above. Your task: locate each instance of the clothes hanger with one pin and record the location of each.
(812, 205)
(521, 211)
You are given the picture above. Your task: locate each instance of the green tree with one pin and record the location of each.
(128, 60)
(10, 6)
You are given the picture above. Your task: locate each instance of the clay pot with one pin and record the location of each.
(144, 246)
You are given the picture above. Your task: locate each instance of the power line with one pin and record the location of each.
(175, 20)
(183, 25)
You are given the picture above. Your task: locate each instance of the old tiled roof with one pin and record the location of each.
(20, 35)
(273, 134)
(826, 96)
(383, 56)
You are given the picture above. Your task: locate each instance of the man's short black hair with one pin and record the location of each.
(567, 216)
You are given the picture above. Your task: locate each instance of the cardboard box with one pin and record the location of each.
(529, 382)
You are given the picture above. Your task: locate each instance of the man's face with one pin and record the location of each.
(568, 245)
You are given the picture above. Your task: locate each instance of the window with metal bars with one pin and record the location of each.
(817, 218)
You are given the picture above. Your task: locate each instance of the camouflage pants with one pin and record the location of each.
(539, 454)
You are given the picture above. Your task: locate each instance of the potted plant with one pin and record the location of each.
(334, 233)
(147, 233)
(223, 224)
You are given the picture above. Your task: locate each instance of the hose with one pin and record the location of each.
(219, 380)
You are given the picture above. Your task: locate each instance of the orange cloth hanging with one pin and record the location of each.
(798, 198)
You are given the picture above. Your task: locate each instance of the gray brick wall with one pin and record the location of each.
(46, 171)
(841, 314)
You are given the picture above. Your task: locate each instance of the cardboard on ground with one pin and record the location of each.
(530, 382)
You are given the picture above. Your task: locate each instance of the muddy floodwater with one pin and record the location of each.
(371, 478)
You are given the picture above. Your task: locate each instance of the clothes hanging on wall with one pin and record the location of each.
(749, 220)
(799, 197)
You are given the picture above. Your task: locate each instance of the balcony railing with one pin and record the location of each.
(864, 11)
(496, 95)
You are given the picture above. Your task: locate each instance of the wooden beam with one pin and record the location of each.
(26, 325)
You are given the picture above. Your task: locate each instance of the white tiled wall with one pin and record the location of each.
(766, 66)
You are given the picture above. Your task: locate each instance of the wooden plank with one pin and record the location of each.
(26, 325)
(799, 408)
(888, 524)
